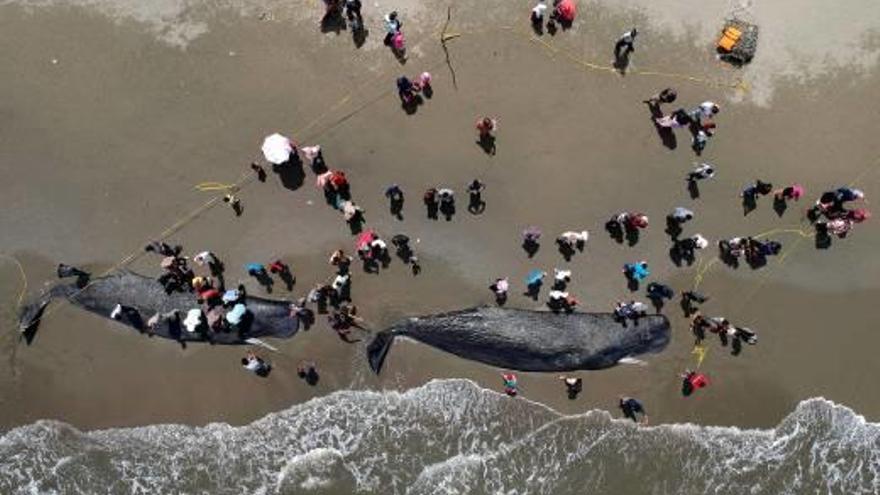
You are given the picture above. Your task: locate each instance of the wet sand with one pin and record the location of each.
(101, 152)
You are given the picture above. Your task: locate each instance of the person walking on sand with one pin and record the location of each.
(701, 171)
(681, 215)
(446, 197)
(475, 190)
(793, 192)
(667, 95)
(573, 386)
(632, 408)
(561, 278)
(395, 195)
(392, 27)
(625, 45)
(259, 170)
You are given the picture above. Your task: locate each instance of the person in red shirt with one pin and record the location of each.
(692, 381)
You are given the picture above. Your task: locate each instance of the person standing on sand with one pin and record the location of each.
(511, 387)
(308, 371)
(537, 16)
(500, 288)
(632, 408)
(692, 381)
(625, 44)
(485, 127)
(431, 204)
(573, 386)
(395, 195)
(476, 204)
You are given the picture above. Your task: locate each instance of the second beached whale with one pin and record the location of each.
(527, 340)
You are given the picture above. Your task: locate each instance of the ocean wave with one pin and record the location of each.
(447, 437)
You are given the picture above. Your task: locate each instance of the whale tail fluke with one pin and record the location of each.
(378, 349)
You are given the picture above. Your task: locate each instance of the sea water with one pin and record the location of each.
(447, 437)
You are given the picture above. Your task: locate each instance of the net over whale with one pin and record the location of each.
(528, 340)
(145, 297)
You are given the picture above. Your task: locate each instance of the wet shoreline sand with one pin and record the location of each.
(138, 128)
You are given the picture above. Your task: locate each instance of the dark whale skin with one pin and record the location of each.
(527, 340)
(267, 318)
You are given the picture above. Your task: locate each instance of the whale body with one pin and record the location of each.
(527, 340)
(265, 317)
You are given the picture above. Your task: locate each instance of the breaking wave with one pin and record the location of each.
(447, 437)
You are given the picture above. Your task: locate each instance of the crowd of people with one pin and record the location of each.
(217, 308)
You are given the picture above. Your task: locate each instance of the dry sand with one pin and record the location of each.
(101, 150)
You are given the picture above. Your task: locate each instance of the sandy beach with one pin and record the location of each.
(110, 122)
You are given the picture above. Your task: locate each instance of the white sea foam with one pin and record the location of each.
(447, 437)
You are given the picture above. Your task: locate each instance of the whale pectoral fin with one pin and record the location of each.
(29, 322)
(378, 349)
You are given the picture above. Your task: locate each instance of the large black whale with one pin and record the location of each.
(265, 317)
(527, 340)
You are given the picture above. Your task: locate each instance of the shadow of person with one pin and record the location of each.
(264, 280)
(615, 231)
(356, 224)
(657, 302)
(749, 203)
(621, 61)
(551, 27)
(823, 240)
(288, 279)
(291, 173)
(333, 22)
(566, 250)
(632, 236)
(396, 208)
(666, 134)
(530, 247)
(632, 283)
(693, 189)
(487, 143)
(532, 290)
(476, 205)
(359, 35)
(675, 254)
(433, 209)
(412, 105)
(448, 210)
(673, 228)
(538, 26)
(779, 205)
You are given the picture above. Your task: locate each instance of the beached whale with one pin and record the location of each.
(144, 297)
(527, 340)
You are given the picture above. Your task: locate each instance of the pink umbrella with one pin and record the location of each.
(364, 239)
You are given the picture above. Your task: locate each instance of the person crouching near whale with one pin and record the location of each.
(500, 288)
(511, 386)
(561, 301)
(256, 364)
(632, 310)
(573, 386)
